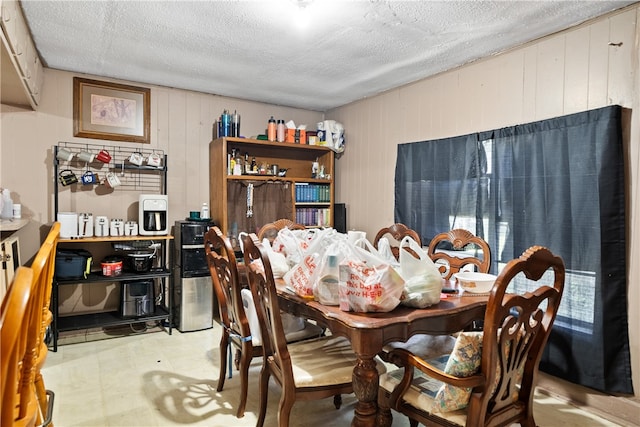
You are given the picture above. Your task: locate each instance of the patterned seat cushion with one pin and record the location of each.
(435, 396)
(464, 361)
(423, 390)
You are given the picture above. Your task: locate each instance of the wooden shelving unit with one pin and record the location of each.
(297, 159)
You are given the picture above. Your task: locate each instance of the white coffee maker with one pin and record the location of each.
(152, 215)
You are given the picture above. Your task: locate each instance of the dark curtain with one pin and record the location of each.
(557, 183)
(271, 201)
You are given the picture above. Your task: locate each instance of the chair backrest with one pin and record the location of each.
(516, 329)
(265, 297)
(455, 249)
(17, 379)
(397, 232)
(43, 266)
(223, 268)
(270, 230)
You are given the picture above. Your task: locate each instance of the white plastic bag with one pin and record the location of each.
(326, 278)
(384, 249)
(423, 282)
(288, 244)
(368, 283)
(278, 261)
(299, 276)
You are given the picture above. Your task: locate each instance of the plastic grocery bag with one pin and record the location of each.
(299, 277)
(422, 279)
(385, 252)
(288, 244)
(278, 261)
(326, 278)
(368, 283)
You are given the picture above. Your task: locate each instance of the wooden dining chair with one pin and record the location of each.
(397, 232)
(489, 378)
(270, 230)
(223, 268)
(423, 344)
(458, 249)
(43, 266)
(313, 369)
(19, 406)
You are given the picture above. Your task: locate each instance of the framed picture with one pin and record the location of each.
(105, 110)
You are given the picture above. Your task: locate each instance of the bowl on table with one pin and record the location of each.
(477, 283)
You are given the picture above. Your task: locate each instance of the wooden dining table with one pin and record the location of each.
(369, 332)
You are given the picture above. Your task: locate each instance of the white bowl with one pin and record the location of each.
(477, 283)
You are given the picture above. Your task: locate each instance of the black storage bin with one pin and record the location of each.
(73, 263)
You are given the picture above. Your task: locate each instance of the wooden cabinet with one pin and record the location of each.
(304, 199)
(22, 70)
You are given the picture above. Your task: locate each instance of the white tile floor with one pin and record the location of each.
(157, 379)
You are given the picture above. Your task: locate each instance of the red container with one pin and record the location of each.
(111, 266)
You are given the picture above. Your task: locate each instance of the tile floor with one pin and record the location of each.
(157, 379)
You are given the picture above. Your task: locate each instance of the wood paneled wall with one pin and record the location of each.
(587, 67)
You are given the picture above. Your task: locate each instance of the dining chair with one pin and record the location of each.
(307, 370)
(397, 232)
(43, 266)
(224, 271)
(425, 345)
(19, 406)
(459, 249)
(270, 230)
(489, 378)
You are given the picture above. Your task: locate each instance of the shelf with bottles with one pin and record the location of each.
(292, 161)
(297, 163)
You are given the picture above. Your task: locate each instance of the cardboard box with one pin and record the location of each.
(296, 136)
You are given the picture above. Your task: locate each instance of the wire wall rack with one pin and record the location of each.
(122, 162)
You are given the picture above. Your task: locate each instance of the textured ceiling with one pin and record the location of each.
(313, 54)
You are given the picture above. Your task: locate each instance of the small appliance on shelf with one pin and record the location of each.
(152, 215)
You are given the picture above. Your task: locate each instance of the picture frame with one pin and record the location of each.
(113, 111)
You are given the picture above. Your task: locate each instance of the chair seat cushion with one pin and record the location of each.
(432, 395)
(426, 347)
(464, 361)
(423, 390)
(309, 330)
(323, 361)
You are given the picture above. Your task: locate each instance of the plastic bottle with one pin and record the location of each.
(329, 283)
(235, 124)
(7, 205)
(280, 131)
(271, 129)
(204, 212)
(226, 123)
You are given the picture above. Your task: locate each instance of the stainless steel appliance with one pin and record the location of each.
(137, 298)
(193, 298)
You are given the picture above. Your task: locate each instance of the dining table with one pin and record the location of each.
(368, 333)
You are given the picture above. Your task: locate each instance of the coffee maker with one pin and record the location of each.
(152, 215)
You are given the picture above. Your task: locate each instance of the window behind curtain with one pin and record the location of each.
(558, 183)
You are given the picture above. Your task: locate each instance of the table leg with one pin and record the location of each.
(365, 387)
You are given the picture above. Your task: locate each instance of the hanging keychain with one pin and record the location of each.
(249, 200)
